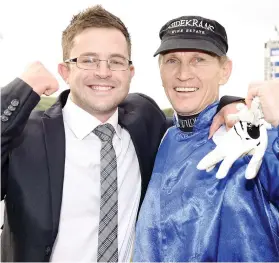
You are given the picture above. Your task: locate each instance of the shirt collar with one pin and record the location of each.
(82, 123)
(204, 119)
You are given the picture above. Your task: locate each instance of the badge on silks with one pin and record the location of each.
(247, 136)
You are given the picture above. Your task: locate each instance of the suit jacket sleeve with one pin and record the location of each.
(17, 102)
(226, 100)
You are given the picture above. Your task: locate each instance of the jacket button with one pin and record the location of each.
(15, 102)
(47, 250)
(11, 108)
(4, 118)
(7, 112)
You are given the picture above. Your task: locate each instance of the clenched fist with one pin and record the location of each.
(268, 93)
(40, 79)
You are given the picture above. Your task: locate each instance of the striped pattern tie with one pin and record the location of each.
(108, 224)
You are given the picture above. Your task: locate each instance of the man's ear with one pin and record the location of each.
(64, 71)
(132, 70)
(226, 72)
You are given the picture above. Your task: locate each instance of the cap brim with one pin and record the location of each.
(195, 44)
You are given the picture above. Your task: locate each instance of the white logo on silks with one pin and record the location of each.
(188, 25)
(187, 123)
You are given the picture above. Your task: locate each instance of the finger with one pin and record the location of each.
(232, 114)
(217, 122)
(240, 106)
(211, 159)
(233, 117)
(240, 109)
(256, 161)
(55, 84)
(253, 91)
(49, 92)
(51, 89)
(230, 124)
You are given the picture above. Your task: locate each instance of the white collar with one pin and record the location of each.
(83, 123)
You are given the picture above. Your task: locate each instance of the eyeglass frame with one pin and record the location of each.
(74, 60)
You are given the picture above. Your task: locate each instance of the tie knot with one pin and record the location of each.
(105, 132)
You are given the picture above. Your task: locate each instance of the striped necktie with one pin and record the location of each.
(108, 223)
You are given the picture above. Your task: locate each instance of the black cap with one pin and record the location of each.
(193, 32)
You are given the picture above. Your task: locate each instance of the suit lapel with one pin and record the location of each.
(55, 151)
(131, 122)
(133, 125)
(135, 130)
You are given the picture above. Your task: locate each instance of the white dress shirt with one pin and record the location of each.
(77, 238)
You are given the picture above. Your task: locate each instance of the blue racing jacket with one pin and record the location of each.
(189, 215)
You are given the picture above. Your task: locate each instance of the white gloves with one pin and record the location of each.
(248, 136)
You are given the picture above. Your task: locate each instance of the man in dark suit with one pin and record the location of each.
(74, 176)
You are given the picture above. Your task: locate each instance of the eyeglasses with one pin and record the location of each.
(89, 62)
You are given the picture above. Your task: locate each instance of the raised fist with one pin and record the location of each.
(40, 79)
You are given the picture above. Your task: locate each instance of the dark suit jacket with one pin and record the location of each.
(33, 158)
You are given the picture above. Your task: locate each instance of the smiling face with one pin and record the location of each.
(191, 79)
(101, 90)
